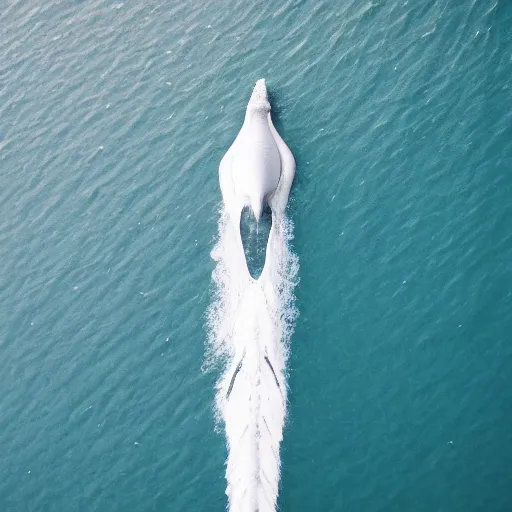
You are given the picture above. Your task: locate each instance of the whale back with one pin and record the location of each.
(256, 163)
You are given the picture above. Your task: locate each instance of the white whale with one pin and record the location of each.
(250, 321)
(258, 167)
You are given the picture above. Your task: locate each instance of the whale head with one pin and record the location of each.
(259, 103)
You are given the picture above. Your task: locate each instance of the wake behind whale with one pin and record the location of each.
(251, 319)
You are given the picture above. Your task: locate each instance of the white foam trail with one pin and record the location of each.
(250, 324)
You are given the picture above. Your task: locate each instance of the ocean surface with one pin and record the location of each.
(113, 119)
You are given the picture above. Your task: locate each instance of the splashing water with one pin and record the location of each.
(249, 327)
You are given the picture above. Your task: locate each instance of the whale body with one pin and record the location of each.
(252, 317)
(258, 167)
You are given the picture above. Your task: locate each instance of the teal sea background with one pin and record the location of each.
(113, 119)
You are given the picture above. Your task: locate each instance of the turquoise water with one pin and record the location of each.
(254, 236)
(113, 119)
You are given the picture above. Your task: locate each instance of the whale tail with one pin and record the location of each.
(256, 206)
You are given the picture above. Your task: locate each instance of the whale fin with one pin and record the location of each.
(279, 198)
